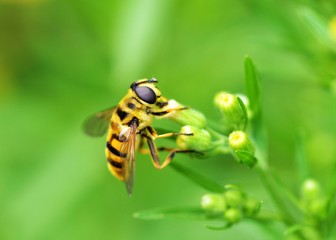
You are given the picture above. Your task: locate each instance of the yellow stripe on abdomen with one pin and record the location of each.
(115, 157)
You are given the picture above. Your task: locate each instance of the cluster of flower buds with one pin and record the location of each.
(229, 137)
(234, 110)
(232, 205)
(194, 126)
(313, 201)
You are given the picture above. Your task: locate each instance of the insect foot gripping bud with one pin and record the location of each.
(233, 110)
(187, 116)
(213, 204)
(242, 148)
(200, 140)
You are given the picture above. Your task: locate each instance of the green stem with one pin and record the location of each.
(267, 177)
(331, 214)
(268, 216)
(285, 214)
(290, 196)
(268, 181)
(217, 134)
(220, 145)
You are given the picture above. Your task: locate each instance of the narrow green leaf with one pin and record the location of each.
(254, 95)
(197, 178)
(184, 213)
(267, 179)
(293, 202)
(317, 25)
(252, 86)
(243, 107)
(294, 228)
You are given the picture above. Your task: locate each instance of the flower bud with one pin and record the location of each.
(242, 148)
(310, 189)
(251, 206)
(232, 215)
(186, 116)
(213, 204)
(200, 140)
(233, 196)
(317, 208)
(233, 110)
(313, 201)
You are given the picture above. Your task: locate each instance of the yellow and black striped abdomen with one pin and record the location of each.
(128, 111)
(114, 156)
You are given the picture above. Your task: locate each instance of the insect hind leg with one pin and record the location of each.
(154, 151)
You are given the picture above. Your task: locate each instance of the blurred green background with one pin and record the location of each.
(61, 60)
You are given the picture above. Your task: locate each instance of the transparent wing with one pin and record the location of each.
(129, 164)
(97, 124)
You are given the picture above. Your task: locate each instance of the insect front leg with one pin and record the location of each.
(166, 107)
(154, 134)
(163, 113)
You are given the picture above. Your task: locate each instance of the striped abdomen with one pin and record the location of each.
(128, 118)
(115, 157)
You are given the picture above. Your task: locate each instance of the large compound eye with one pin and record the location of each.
(146, 94)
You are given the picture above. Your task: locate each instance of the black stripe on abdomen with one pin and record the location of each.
(115, 163)
(115, 151)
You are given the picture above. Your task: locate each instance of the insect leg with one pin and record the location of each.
(167, 111)
(165, 135)
(141, 148)
(155, 156)
(150, 136)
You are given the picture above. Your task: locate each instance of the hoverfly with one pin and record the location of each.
(128, 126)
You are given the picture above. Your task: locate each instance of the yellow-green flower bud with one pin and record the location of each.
(239, 140)
(242, 148)
(233, 110)
(313, 201)
(310, 189)
(233, 196)
(232, 215)
(213, 204)
(186, 116)
(251, 206)
(200, 140)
